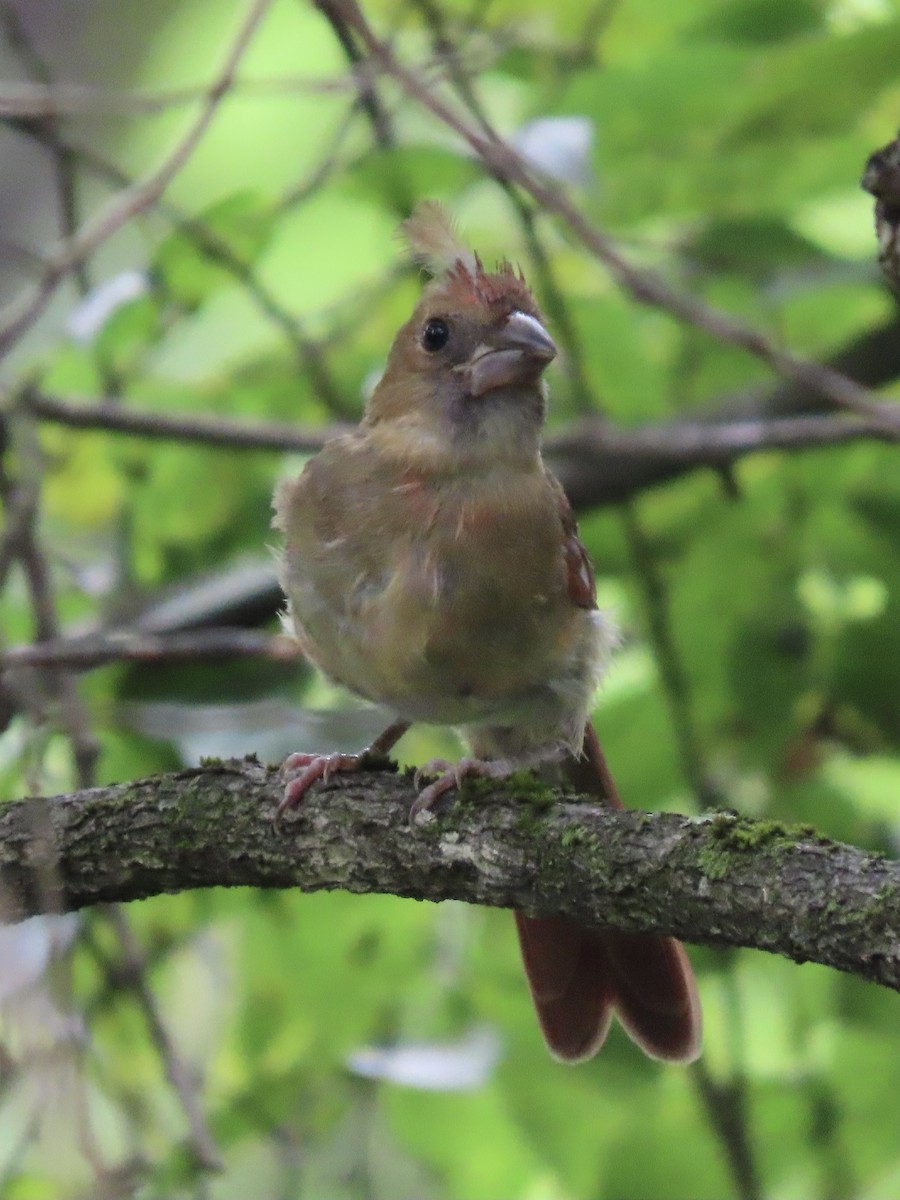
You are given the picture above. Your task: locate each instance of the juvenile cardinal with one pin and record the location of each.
(432, 565)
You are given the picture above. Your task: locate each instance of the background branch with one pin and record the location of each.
(21, 314)
(128, 645)
(597, 463)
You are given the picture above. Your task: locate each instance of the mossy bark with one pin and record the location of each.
(718, 880)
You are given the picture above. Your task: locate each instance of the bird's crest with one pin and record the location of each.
(435, 244)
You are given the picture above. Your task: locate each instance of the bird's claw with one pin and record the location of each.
(451, 778)
(429, 796)
(303, 770)
(428, 770)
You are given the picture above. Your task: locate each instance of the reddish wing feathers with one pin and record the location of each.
(578, 976)
(655, 992)
(580, 578)
(580, 574)
(570, 983)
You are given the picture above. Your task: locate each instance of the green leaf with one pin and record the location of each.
(212, 250)
(128, 334)
(762, 22)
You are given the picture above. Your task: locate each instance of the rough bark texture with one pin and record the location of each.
(719, 879)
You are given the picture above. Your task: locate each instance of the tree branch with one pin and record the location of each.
(718, 879)
(83, 653)
(598, 463)
(204, 428)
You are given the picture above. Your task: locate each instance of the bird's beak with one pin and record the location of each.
(516, 354)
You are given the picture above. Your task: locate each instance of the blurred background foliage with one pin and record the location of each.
(335, 1047)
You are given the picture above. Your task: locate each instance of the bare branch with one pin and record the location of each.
(23, 542)
(601, 464)
(598, 463)
(97, 650)
(210, 431)
(720, 879)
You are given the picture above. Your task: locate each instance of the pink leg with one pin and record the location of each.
(307, 768)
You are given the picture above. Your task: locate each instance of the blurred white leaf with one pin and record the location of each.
(89, 317)
(26, 950)
(271, 729)
(458, 1066)
(561, 147)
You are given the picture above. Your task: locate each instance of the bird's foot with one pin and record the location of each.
(452, 775)
(428, 770)
(302, 770)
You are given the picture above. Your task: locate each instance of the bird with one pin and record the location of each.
(432, 565)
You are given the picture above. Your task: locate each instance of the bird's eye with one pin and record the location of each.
(435, 334)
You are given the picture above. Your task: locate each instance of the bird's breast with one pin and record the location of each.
(448, 604)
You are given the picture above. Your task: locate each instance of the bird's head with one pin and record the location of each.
(466, 368)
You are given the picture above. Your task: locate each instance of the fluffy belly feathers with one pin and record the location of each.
(406, 642)
(433, 631)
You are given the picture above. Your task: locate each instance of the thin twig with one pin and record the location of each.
(369, 101)
(726, 1111)
(63, 160)
(717, 443)
(600, 463)
(27, 549)
(309, 352)
(19, 316)
(726, 1103)
(135, 974)
(21, 44)
(52, 102)
(671, 669)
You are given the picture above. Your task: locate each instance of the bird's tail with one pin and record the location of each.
(579, 976)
